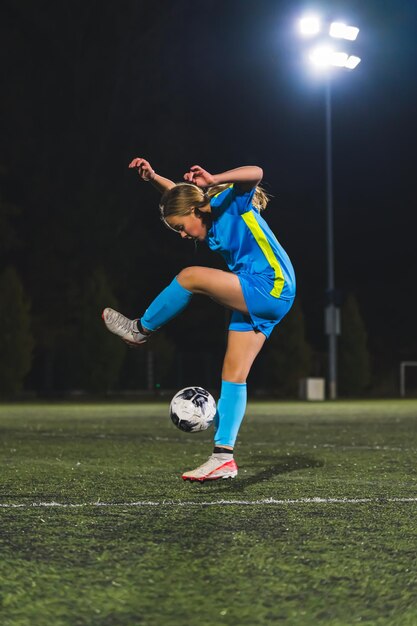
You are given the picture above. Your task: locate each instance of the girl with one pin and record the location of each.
(223, 210)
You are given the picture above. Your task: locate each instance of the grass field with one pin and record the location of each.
(319, 527)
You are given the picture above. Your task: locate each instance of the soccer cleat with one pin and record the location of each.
(212, 469)
(123, 327)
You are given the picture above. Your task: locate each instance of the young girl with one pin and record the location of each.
(223, 210)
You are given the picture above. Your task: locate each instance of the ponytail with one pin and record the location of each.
(184, 197)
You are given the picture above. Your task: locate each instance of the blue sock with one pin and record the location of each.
(231, 409)
(170, 302)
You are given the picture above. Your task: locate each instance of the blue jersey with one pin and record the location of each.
(243, 238)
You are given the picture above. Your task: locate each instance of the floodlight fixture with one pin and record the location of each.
(321, 56)
(339, 30)
(352, 62)
(309, 25)
(339, 59)
(325, 57)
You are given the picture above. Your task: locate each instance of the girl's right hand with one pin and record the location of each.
(144, 168)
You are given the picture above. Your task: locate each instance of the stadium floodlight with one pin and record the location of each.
(352, 62)
(326, 57)
(322, 56)
(339, 30)
(339, 59)
(309, 25)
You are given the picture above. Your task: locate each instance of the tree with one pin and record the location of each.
(287, 354)
(354, 359)
(16, 340)
(99, 354)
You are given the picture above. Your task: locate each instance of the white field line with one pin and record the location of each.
(190, 503)
(336, 446)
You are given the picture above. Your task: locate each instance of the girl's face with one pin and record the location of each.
(188, 226)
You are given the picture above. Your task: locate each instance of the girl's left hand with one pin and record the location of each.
(199, 177)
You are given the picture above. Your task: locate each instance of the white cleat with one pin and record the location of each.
(123, 327)
(212, 469)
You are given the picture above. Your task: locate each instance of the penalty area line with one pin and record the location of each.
(191, 503)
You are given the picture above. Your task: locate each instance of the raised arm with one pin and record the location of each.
(148, 174)
(247, 177)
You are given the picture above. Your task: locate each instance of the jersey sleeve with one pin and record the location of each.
(232, 199)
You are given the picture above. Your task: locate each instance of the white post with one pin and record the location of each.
(403, 365)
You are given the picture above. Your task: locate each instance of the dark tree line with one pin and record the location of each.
(87, 358)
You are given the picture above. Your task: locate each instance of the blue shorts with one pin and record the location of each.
(265, 311)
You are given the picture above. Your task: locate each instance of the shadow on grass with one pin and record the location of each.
(281, 465)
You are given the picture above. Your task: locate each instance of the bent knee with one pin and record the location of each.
(188, 277)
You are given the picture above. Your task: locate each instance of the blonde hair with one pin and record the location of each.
(181, 199)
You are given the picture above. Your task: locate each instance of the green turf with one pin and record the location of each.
(175, 559)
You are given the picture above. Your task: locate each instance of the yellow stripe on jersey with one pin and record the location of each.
(265, 246)
(218, 194)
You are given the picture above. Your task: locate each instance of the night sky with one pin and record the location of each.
(86, 86)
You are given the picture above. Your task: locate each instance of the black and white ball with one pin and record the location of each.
(192, 409)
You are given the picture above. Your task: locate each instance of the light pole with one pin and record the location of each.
(326, 57)
(332, 315)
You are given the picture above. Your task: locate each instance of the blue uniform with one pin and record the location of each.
(252, 252)
(241, 235)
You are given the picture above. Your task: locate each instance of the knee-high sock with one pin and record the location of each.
(168, 304)
(231, 409)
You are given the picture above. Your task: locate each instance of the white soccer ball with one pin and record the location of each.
(192, 409)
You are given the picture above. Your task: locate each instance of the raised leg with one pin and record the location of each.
(223, 287)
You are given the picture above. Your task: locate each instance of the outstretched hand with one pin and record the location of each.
(199, 177)
(144, 168)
